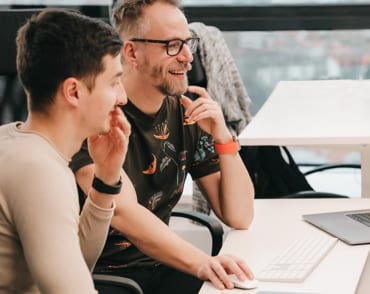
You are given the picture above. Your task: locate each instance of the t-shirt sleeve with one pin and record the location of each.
(81, 158)
(205, 161)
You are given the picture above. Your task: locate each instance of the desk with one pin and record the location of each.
(276, 223)
(316, 113)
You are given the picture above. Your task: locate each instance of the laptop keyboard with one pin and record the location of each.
(363, 218)
(297, 260)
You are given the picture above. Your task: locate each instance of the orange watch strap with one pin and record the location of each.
(228, 148)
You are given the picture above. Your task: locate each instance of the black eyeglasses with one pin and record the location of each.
(173, 46)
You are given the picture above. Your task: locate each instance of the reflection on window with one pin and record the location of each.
(265, 58)
(269, 2)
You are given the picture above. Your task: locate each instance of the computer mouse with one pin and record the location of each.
(246, 284)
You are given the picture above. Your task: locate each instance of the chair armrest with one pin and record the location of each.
(213, 225)
(314, 194)
(114, 284)
(331, 166)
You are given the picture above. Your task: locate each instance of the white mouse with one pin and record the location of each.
(246, 284)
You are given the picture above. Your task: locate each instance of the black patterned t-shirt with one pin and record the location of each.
(161, 151)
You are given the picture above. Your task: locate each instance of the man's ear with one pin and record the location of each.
(70, 89)
(129, 52)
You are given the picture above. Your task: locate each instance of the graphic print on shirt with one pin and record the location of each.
(205, 146)
(181, 175)
(152, 166)
(161, 131)
(118, 243)
(188, 121)
(154, 200)
(171, 156)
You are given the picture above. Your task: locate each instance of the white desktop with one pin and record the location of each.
(277, 222)
(332, 113)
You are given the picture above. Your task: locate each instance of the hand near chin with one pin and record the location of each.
(108, 151)
(218, 268)
(205, 111)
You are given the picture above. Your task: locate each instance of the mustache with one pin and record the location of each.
(182, 67)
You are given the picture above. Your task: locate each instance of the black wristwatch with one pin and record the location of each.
(102, 187)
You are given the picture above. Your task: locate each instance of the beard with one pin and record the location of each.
(168, 86)
(173, 88)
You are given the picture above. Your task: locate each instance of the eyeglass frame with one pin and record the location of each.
(167, 42)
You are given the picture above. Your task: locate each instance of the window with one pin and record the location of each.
(293, 40)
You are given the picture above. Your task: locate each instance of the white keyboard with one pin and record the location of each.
(298, 260)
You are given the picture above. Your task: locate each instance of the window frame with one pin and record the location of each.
(281, 17)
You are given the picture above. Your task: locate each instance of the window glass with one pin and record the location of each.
(56, 2)
(269, 2)
(265, 58)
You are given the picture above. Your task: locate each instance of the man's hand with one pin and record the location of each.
(108, 151)
(207, 113)
(217, 269)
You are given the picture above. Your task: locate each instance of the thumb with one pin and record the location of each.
(93, 139)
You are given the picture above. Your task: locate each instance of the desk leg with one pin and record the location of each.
(365, 172)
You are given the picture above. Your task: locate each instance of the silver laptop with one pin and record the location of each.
(352, 227)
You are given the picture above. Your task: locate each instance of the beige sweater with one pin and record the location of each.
(45, 246)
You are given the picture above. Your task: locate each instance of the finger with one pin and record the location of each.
(93, 139)
(125, 126)
(221, 273)
(239, 267)
(203, 110)
(121, 121)
(246, 269)
(201, 92)
(213, 278)
(188, 104)
(197, 105)
(211, 275)
(186, 101)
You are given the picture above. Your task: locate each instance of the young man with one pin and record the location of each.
(70, 68)
(171, 136)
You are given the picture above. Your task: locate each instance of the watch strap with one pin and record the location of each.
(102, 187)
(227, 148)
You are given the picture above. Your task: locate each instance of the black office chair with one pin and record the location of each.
(109, 284)
(213, 225)
(325, 167)
(314, 194)
(321, 169)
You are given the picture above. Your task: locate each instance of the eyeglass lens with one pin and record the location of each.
(175, 46)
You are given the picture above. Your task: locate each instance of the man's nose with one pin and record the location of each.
(185, 54)
(121, 95)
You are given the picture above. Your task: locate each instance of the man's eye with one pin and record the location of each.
(174, 44)
(116, 82)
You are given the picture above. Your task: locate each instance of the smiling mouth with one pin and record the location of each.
(177, 73)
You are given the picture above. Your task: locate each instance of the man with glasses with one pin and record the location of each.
(173, 46)
(171, 136)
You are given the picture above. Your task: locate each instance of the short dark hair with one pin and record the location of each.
(126, 16)
(57, 44)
